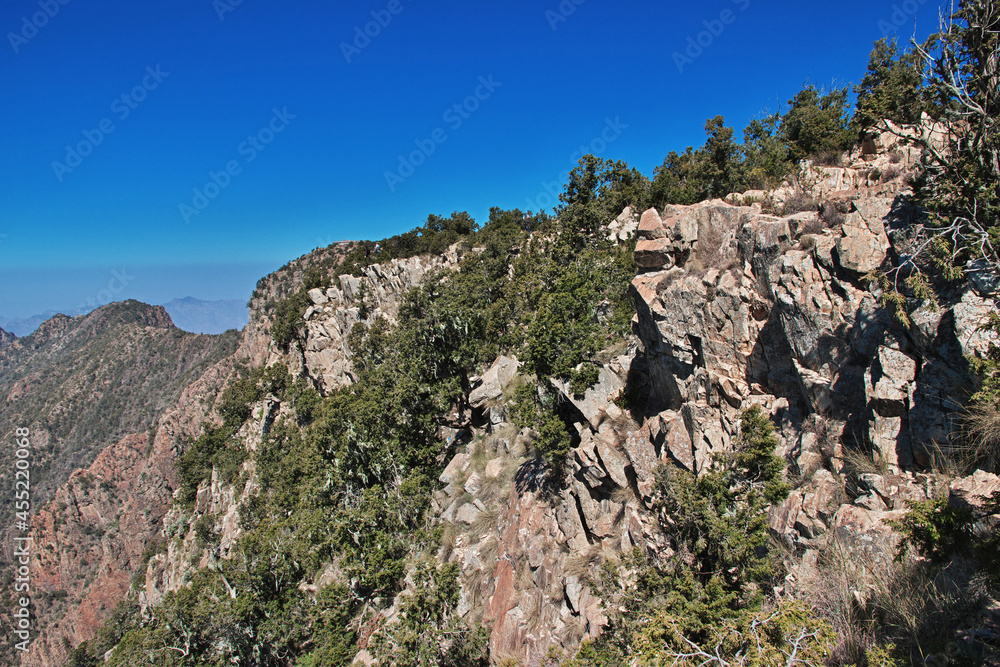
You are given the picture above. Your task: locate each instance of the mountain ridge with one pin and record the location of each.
(189, 313)
(709, 336)
(78, 384)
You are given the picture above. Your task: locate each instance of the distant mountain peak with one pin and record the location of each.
(186, 313)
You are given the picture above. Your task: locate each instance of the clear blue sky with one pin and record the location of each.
(202, 81)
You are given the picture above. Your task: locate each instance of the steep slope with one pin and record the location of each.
(79, 386)
(307, 527)
(81, 383)
(101, 526)
(6, 338)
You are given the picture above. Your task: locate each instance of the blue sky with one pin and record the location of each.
(198, 144)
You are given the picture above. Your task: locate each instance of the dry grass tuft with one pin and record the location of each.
(486, 522)
(489, 552)
(479, 455)
(891, 173)
(715, 248)
(829, 158)
(873, 597)
(622, 496)
(981, 428)
(800, 201)
(583, 565)
(865, 461)
(525, 578)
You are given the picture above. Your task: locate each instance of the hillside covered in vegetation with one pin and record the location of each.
(741, 411)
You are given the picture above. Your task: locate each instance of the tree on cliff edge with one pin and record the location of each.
(960, 183)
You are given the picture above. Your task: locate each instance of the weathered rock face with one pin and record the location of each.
(524, 555)
(6, 338)
(786, 319)
(623, 228)
(324, 354)
(493, 382)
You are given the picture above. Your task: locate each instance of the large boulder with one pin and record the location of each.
(493, 382)
(864, 243)
(651, 227)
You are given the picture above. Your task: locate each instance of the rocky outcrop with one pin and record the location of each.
(624, 227)
(6, 338)
(491, 386)
(734, 308)
(324, 353)
(785, 318)
(525, 555)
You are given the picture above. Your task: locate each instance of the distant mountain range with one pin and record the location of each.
(188, 314)
(208, 317)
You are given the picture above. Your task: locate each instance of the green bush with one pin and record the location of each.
(196, 463)
(288, 318)
(540, 412)
(712, 171)
(597, 192)
(428, 634)
(817, 124)
(766, 159)
(937, 529)
(435, 236)
(892, 89)
(710, 587)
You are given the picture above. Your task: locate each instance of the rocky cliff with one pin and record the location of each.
(736, 306)
(6, 338)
